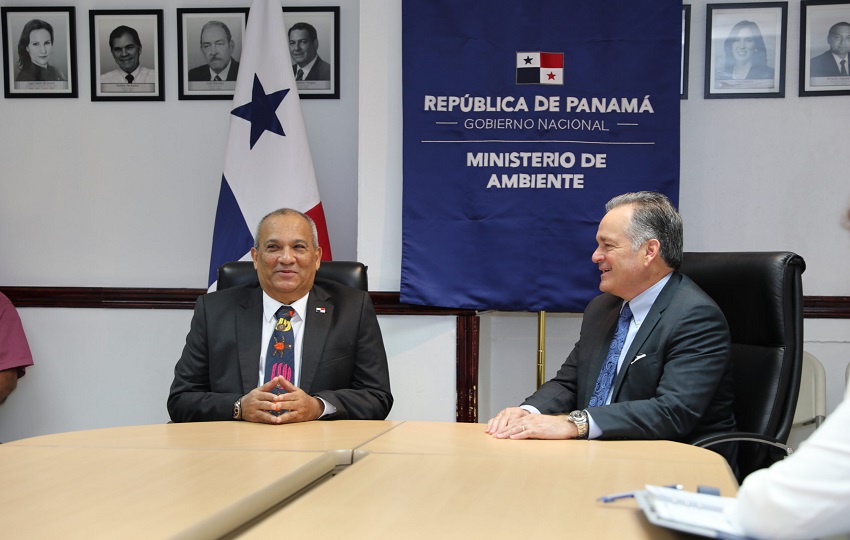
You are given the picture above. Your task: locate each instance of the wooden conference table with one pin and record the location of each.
(343, 479)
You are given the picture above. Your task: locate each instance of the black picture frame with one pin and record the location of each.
(686, 48)
(760, 70)
(193, 81)
(58, 77)
(325, 19)
(820, 35)
(149, 82)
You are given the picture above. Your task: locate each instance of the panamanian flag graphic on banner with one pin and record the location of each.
(539, 68)
(267, 163)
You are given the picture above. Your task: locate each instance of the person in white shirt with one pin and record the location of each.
(806, 495)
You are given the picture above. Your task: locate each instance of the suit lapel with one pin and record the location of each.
(249, 332)
(318, 318)
(646, 328)
(600, 348)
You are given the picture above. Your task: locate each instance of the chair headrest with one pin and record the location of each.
(350, 273)
(757, 291)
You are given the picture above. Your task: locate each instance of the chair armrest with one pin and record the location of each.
(734, 436)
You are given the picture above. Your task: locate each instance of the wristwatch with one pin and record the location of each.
(579, 418)
(237, 409)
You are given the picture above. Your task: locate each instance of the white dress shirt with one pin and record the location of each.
(806, 495)
(270, 307)
(141, 75)
(306, 69)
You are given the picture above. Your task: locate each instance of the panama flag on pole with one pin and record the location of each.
(267, 164)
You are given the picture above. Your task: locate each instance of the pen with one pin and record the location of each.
(630, 494)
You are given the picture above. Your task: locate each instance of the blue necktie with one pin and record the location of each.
(280, 357)
(609, 368)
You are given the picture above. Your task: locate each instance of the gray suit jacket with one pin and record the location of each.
(680, 389)
(343, 358)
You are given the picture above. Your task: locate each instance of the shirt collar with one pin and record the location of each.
(224, 72)
(642, 303)
(270, 307)
(134, 73)
(308, 67)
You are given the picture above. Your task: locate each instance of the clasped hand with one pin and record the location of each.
(295, 404)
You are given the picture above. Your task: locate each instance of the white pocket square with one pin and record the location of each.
(638, 357)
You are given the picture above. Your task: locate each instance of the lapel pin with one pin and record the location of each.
(320, 310)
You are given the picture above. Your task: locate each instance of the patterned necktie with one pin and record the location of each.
(280, 356)
(609, 368)
(129, 78)
(217, 78)
(844, 67)
(299, 76)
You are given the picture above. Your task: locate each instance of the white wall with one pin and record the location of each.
(123, 194)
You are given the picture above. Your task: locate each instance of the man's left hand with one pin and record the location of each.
(538, 426)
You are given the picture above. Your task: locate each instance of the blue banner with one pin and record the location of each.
(521, 119)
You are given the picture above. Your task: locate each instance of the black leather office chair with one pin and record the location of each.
(761, 295)
(351, 273)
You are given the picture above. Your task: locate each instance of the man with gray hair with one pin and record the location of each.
(653, 359)
(286, 349)
(217, 45)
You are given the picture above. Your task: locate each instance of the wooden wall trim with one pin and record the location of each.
(826, 307)
(386, 303)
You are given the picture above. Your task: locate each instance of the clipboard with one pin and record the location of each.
(694, 513)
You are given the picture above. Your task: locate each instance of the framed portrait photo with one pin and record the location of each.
(40, 52)
(314, 49)
(209, 45)
(126, 55)
(745, 50)
(824, 48)
(686, 47)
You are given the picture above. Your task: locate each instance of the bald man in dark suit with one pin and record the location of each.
(340, 365)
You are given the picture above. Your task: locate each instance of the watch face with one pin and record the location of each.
(577, 417)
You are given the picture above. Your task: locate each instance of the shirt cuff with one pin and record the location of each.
(329, 409)
(530, 408)
(593, 431)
